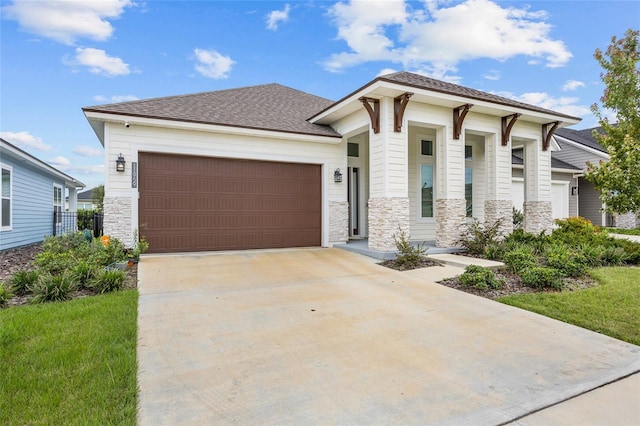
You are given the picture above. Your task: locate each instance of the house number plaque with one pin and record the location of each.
(134, 174)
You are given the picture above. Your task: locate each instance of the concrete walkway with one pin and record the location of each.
(325, 336)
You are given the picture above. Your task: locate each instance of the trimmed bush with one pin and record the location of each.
(520, 259)
(480, 278)
(542, 277)
(52, 288)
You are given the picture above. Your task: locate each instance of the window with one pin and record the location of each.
(57, 202)
(426, 190)
(5, 214)
(426, 147)
(468, 179)
(353, 149)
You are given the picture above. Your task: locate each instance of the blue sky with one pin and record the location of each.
(59, 56)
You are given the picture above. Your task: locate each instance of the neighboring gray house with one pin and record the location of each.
(31, 191)
(85, 200)
(577, 147)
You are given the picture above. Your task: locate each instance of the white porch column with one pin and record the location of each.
(73, 199)
(537, 188)
(450, 201)
(388, 174)
(498, 204)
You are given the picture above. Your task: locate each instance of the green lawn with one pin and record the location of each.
(635, 231)
(612, 308)
(71, 363)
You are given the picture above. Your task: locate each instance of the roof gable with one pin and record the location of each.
(264, 107)
(582, 137)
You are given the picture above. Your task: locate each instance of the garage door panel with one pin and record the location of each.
(198, 204)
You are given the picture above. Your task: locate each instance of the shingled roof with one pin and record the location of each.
(264, 107)
(583, 137)
(421, 82)
(516, 160)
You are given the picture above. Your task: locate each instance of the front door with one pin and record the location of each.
(354, 201)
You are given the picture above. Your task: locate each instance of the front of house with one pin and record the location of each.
(269, 166)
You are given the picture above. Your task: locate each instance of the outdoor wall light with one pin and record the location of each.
(337, 176)
(574, 190)
(120, 163)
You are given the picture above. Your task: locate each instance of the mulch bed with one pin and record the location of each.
(423, 263)
(21, 258)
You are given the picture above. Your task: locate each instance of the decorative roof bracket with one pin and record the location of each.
(458, 119)
(506, 127)
(374, 111)
(399, 105)
(547, 133)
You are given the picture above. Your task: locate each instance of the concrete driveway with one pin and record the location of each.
(325, 336)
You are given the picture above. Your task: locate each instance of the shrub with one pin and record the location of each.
(408, 255)
(52, 288)
(54, 262)
(541, 277)
(577, 230)
(518, 219)
(5, 293)
(495, 251)
(108, 280)
(568, 262)
(21, 281)
(480, 278)
(477, 237)
(520, 259)
(82, 273)
(614, 256)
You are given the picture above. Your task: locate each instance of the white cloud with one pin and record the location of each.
(492, 75)
(88, 151)
(423, 38)
(67, 20)
(85, 170)
(59, 161)
(276, 16)
(572, 85)
(25, 140)
(99, 62)
(212, 64)
(564, 104)
(115, 98)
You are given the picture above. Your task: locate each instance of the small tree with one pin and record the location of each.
(618, 180)
(98, 197)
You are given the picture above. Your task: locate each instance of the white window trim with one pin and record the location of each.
(427, 160)
(61, 205)
(4, 166)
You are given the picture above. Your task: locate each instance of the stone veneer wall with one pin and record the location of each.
(450, 221)
(538, 216)
(626, 221)
(386, 217)
(338, 221)
(117, 219)
(495, 210)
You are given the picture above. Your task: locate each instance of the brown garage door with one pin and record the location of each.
(201, 203)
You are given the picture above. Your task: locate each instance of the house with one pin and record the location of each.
(270, 166)
(31, 192)
(564, 185)
(85, 200)
(578, 147)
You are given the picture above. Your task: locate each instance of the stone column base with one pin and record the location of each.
(387, 217)
(625, 221)
(450, 221)
(338, 221)
(495, 210)
(538, 216)
(117, 219)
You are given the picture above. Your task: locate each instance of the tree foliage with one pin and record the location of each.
(98, 197)
(618, 180)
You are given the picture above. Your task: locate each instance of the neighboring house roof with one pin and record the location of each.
(264, 107)
(516, 160)
(16, 152)
(583, 137)
(86, 195)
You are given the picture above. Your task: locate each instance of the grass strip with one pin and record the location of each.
(71, 363)
(612, 308)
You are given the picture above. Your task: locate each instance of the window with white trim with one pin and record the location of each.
(468, 179)
(6, 197)
(427, 188)
(57, 202)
